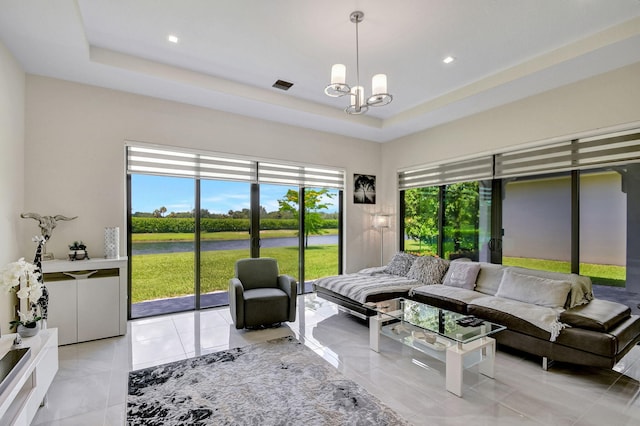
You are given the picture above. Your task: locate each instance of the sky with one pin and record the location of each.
(149, 193)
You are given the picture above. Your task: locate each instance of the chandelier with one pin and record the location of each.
(338, 86)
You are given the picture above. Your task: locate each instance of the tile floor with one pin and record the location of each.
(91, 385)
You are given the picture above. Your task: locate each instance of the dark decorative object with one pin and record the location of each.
(43, 301)
(78, 251)
(364, 189)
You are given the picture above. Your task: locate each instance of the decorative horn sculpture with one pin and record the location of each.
(46, 223)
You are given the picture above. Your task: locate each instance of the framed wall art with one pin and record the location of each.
(364, 189)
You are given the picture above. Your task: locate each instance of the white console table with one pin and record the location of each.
(27, 391)
(87, 298)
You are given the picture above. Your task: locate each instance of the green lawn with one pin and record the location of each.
(157, 276)
(610, 275)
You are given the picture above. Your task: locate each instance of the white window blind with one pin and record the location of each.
(578, 154)
(445, 174)
(183, 163)
(167, 162)
(285, 174)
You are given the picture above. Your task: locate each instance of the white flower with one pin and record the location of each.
(24, 275)
(23, 293)
(35, 293)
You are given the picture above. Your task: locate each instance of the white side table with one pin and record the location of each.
(27, 391)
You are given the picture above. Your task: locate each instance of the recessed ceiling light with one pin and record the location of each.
(172, 38)
(448, 59)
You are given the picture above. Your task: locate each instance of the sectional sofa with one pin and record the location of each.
(547, 314)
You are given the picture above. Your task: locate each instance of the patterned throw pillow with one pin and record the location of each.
(428, 269)
(400, 264)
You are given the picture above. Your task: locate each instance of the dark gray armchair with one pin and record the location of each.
(259, 296)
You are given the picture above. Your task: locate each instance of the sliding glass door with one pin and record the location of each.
(162, 245)
(279, 226)
(603, 225)
(450, 221)
(322, 234)
(536, 222)
(225, 217)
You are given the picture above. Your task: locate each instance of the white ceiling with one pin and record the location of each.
(231, 52)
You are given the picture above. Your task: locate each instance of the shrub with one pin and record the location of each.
(147, 225)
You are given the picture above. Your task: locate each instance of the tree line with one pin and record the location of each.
(142, 225)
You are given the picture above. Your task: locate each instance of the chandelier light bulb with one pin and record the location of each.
(379, 84)
(338, 74)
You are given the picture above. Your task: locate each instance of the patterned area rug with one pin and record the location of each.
(279, 382)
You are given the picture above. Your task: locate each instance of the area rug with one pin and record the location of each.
(278, 382)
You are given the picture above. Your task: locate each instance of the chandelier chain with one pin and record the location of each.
(357, 56)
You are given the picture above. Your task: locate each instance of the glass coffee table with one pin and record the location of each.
(459, 340)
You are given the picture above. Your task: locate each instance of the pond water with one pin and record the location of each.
(186, 246)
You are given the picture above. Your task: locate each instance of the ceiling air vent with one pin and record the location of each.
(282, 85)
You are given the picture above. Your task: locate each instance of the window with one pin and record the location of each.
(450, 221)
(603, 226)
(536, 223)
(567, 206)
(193, 214)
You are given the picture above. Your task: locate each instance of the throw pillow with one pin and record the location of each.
(531, 289)
(400, 264)
(428, 269)
(462, 274)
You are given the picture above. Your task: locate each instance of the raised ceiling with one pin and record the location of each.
(231, 52)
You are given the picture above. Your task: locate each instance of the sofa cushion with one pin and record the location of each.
(428, 269)
(512, 322)
(446, 297)
(514, 314)
(489, 278)
(608, 344)
(400, 264)
(536, 290)
(462, 274)
(581, 288)
(597, 315)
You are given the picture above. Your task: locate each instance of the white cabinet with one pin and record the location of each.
(62, 296)
(87, 298)
(98, 308)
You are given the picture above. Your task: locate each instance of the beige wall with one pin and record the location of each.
(75, 144)
(607, 100)
(12, 106)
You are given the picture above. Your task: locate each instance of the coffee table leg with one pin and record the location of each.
(454, 369)
(487, 366)
(374, 333)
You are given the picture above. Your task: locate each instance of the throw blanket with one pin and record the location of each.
(540, 316)
(362, 284)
